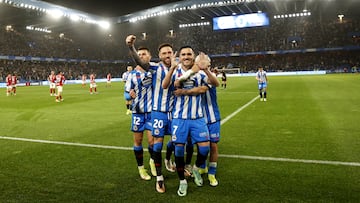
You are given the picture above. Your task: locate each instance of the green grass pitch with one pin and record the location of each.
(305, 118)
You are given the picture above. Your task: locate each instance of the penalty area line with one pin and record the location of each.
(238, 110)
(323, 162)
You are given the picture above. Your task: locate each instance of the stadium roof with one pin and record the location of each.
(170, 14)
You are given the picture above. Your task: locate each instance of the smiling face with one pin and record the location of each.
(187, 57)
(165, 54)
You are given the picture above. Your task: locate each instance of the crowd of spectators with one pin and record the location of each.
(39, 71)
(282, 34)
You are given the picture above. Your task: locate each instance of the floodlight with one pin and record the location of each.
(104, 24)
(74, 17)
(55, 13)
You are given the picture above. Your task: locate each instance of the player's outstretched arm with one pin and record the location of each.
(130, 42)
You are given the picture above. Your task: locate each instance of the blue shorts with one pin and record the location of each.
(161, 123)
(196, 129)
(140, 122)
(214, 131)
(262, 85)
(127, 96)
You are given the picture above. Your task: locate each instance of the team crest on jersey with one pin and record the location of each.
(135, 128)
(188, 84)
(147, 81)
(173, 138)
(156, 131)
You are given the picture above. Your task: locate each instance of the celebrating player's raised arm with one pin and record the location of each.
(130, 41)
(167, 80)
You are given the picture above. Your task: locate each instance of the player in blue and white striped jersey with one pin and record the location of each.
(139, 86)
(161, 112)
(161, 107)
(128, 99)
(262, 83)
(212, 117)
(188, 117)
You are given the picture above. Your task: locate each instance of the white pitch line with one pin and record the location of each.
(324, 162)
(238, 110)
(66, 143)
(308, 161)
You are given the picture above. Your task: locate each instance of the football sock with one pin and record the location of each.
(139, 153)
(179, 160)
(169, 150)
(158, 157)
(151, 150)
(189, 153)
(212, 168)
(203, 151)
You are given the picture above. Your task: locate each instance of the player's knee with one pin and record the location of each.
(138, 148)
(179, 151)
(158, 146)
(203, 150)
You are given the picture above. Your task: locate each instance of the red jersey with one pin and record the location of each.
(8, 80)
(83, 77)
(52, 78)
(108, 77)
(60, 80)
(92, 78)
(14, 80)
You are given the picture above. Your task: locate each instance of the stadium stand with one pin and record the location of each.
(320, 41)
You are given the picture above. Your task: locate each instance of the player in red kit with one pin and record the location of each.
(8, 84)
(108, 80)
(51, 79)
(59, 82)
(92, 84)
(13, 83)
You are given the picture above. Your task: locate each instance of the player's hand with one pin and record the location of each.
(130, 40)
(179, 92)
(174, 60)
(202, 61)
(177, 83)
(132, 94)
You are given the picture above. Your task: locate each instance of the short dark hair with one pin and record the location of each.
(164, 45)
(185, 47)
(144, 48)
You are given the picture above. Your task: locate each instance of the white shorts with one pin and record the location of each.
(9, 87)
(109, 81)
(52, 85)
(60, 88)
(92, 85)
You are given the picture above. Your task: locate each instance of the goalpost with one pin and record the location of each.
(230, 70)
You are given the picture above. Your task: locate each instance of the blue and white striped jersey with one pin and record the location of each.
(210, 105)
(162, 98)
(125, 76)
(188, 106)
(261, 75)
(141, 83)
